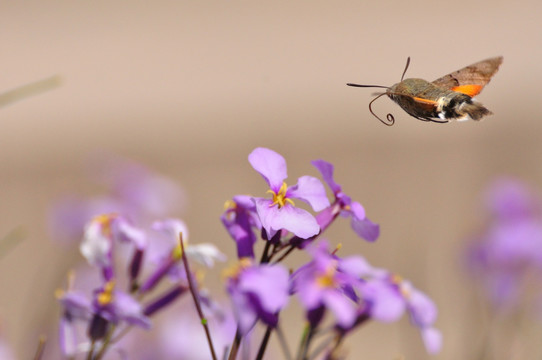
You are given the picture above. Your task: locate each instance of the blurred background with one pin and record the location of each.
(190, 88)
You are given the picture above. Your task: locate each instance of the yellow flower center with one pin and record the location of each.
(280, 198)
(106, 296)
(230, 205)
(105, 220)
(327, 280)
(233, 271)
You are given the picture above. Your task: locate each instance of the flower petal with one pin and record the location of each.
(432, 339)
(357, 210)
(365, 228)
(172, 227)
(269, 283)
(96, 246)
(342, 307)
(270, 165)
(310, 190)
(296, 220)
(205, 254)
(326, 169)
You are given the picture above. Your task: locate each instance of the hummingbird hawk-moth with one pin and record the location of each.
(447, 98)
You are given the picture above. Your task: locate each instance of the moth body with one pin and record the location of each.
(449, 97)
(427, 101)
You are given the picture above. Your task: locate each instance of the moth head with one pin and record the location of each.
(390, 120)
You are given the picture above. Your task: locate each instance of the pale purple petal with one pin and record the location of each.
(127, 308)
(386, 304)
(172, 228)
(357, 210)
(365, 228)
(296, 220)
(310, 190)
(432, 339)
(342, 308)
(270, 165)
(423, 310)
(243, 311)
(356, 266)
(129, 233)
(76, 304)
(326, 169)
(66, 337)
(270, 284)
(309, 293)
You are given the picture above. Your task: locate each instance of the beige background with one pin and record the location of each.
(190, 88)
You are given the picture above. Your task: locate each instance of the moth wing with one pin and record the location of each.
(471, 79)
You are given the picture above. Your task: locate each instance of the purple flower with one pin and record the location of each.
(386, 297)
(508, 252)
(344, 206)
(328, 282)
(108, 306)
(101, 234)
(166, 253)
(257, 293)
(280, 212)
(241, 220)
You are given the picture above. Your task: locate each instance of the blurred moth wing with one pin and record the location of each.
(448, 98)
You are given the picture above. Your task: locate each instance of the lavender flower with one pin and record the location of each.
(257, 293)
(386, 297)
(280, 212)
(507, 254)
(344, 206)
(328, 283)
(100, 235)
(108, 307)
(241, 220)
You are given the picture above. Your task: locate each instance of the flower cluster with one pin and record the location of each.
(143, 268)
(506, 257)
(349, 288)
(125, 298)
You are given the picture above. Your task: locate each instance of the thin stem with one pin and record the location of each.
(106, 342)
(264, 343)
(235, 345)
(196, 300)
(283, 256)
(338, 341)
(321, 347)
(304, 344)
(283, 344)
(265, 257)
(41, 348)
(91, 350)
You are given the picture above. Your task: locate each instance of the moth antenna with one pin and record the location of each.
(390, 120)
(406, 68)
